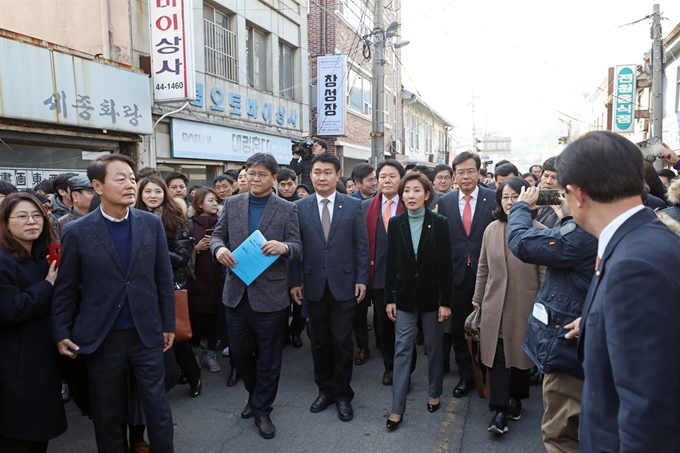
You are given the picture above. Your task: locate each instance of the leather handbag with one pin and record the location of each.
(482, 380)
(182, 323)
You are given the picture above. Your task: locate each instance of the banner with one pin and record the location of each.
(624, 98)
(331, 94)
(172, 50)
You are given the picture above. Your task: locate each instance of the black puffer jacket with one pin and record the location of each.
(180, 247)
(569, 253)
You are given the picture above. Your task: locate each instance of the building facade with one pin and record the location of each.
(425, 138)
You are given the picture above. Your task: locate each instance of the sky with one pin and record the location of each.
(526, 63)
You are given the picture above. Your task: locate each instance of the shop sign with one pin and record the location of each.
(172, 49)
(624, 97)
(330, 82)
(27, 178)
(194, 140)
(48, 86)
(246, 108)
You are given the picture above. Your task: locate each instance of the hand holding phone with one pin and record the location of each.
(54, 254)
(209, 231)
(548, 197)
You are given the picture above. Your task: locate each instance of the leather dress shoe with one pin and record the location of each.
(195, 391)
(233, 378)
(297, 341)
(362, 356)
(463, 389)
(387, 378)
(345, 412)
(265, 426)
(432, 407)
(392, 425)
(247, 411)
(320, 403)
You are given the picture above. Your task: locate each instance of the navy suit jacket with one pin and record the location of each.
(628, 342)
(90, 264)
(462, 243)
(343, 260)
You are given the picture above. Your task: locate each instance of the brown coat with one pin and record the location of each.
(506, 289)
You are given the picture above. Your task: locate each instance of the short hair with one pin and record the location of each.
(507, 170)
(46, 185)
(7, 188)
(328, 158)
(391, 163)
(467, 155)
(60, 182)
(97, 169)
(220, 178)
(427, 171)
(582, 163)
(265, 159)
(442, 167)
(410, 167)
(502, 162)
(549, 165)
(7, 241)
(340, 187)
(424, 181)
(176, 175)
(535, 165)
(482, 171)
(361, 171)
(670, 174)
(302, 186)
(199, 196)
(233, 173)
(195, 187)
(321, 143)
(530, 175)
(147, 171)
(516, 184)
(489, 174)
(285, 174)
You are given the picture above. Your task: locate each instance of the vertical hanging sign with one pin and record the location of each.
(172, 50)
(331, 94)
(624, 98)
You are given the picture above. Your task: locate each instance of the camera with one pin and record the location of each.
(651, 149)
(303, 148)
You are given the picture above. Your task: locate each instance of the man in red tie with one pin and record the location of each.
(379, 210)
(469, 210)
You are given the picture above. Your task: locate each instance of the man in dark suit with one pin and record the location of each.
(118, 258)
(335, 263)
(256, 314)
(470, 211)
(628, 336)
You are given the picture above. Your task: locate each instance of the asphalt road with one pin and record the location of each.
(212, 423)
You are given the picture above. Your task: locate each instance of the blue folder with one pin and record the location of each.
(250, 261)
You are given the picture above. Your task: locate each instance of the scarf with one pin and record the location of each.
(372, 224)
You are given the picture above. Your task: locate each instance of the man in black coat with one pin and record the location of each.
(470, 211)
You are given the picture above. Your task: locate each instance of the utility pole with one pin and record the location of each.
(378, 127)
(657, 74)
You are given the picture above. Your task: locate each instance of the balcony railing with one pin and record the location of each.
(220, 51)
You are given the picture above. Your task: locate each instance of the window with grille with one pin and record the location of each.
(286, 71)
(220, 45)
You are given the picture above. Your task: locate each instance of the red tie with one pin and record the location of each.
(387, 213)
(467, 219)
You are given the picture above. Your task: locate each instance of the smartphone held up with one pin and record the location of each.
(549, 197)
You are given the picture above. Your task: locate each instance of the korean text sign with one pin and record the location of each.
(172, 50)
(624, 98)
(330, 83)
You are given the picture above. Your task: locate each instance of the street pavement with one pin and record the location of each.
(212, 423)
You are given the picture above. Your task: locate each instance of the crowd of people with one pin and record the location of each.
(559, 292)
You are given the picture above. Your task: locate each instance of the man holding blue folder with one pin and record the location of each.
(256, 312)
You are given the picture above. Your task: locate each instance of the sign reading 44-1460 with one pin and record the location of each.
(624, 98)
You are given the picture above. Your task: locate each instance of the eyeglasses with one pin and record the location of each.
(443, 178)
(261, 175)
(23, 218)
(370, 180)
(469, 172)
(513, 198)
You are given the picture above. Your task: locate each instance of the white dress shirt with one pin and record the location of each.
(609, 231)
(331, 199)
(473, 201)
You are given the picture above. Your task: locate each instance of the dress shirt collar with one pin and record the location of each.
(474, 194)
(330, 198)
(609, 231)
(395, 200)
(108, 217)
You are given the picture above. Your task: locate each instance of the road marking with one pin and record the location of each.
(447, 426)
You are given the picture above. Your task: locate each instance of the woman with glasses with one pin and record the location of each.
(506, 289)
(31, 409)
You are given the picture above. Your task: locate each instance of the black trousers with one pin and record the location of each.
(250, 330)
(460, 310)
(107, 369)
(10, 445)
(203, 325)
(360, 322)
(297, 323)
(506, 382)
(332, 348)
(187, 362)
(385, 329)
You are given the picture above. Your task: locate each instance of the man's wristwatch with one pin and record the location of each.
(287, 248)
